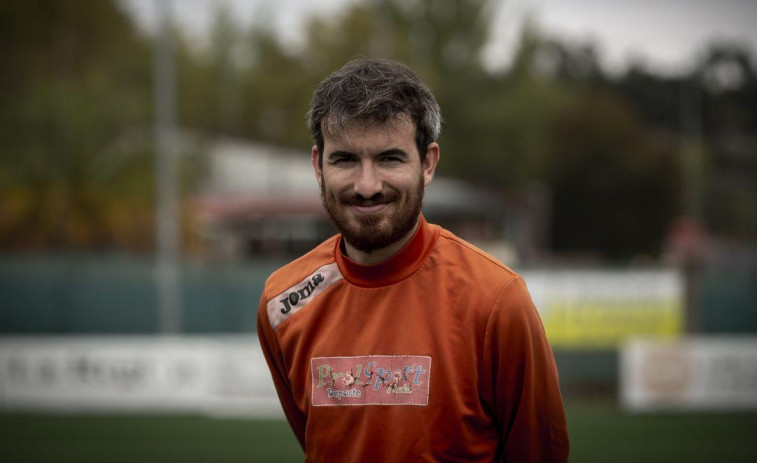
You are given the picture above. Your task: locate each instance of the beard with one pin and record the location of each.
(371, 232)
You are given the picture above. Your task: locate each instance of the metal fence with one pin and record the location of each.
(88, 295)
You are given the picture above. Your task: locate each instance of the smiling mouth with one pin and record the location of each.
(368, 208)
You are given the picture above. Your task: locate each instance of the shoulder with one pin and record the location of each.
(483, 284)
(299, 269)
(469, 260)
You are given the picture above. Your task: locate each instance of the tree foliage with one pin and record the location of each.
(74, 84)
(76, 168)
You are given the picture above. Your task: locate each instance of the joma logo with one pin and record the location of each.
(293, 299)
(301, 294)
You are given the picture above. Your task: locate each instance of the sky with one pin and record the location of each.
(667, 35)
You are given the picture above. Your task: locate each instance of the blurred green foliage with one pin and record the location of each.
(75, 91)
(75, 123)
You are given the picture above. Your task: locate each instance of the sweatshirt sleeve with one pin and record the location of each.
(272, 353)
(526, 394)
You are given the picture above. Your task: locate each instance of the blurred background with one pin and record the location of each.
(154, 169)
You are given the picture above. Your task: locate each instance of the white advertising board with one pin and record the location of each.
(209, 375)
(695, 373)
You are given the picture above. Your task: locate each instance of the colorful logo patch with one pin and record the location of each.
(371, 380)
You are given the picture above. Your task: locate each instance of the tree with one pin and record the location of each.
(74, 103)
(613, 189)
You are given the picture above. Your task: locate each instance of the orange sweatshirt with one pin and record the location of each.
(437, 354)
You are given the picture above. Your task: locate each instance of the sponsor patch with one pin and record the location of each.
(298, 296)
(371, 380)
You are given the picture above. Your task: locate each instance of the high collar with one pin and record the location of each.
(398, 267)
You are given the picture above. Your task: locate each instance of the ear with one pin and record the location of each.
(316, 164)
(430, 163)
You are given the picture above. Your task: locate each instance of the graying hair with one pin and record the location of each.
(373, 90)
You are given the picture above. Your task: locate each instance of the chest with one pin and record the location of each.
(382, 346)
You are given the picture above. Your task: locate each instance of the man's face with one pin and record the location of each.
(372, 181)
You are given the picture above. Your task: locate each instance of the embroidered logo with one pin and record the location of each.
(293, 298)
(371, 380)
(298, 296)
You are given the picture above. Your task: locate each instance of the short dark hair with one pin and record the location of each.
(373, 89)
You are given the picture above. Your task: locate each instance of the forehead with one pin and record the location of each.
(397, 131)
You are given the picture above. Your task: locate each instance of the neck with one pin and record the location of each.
(379, 255)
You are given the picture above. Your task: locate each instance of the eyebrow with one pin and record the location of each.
(393, 151)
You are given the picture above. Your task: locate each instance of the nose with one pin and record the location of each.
(368, 182)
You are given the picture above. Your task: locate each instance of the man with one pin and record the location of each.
(396, 340)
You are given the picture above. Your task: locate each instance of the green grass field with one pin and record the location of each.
(599, 433)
